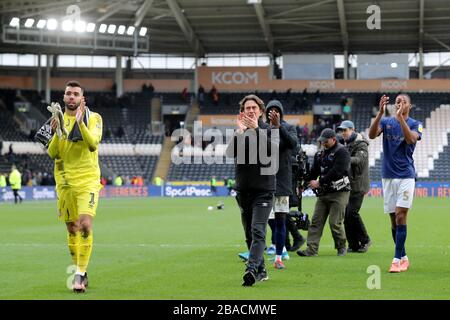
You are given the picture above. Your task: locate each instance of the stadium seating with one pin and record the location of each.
(133, 115)
(131, 152)
(425, 108)
(441, 168)
(130, 165)
(430, 148)
(434, 138)
(201, 171)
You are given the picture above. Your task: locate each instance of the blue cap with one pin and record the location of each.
(347, 124)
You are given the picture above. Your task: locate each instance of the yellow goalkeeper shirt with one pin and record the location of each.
(76, 163)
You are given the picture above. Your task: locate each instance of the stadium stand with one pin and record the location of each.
(131, 152)
(201, 171)
(425, 108)
(127, 129)
(130, 166)
(441, 168)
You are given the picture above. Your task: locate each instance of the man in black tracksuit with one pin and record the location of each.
(288, 141)
(255, 181)
(329, 178)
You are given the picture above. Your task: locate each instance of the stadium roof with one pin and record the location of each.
(257, 26)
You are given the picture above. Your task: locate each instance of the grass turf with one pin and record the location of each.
(162, 248)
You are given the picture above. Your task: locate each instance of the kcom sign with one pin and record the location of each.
(237, 77)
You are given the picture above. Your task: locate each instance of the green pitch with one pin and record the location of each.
(161, 248)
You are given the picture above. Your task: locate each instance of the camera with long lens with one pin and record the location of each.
(300, 173)
(338, 185)
(300, 169)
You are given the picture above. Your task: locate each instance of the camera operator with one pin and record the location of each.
(357, 145)
(295, 219)
(329, 180)
(255, 185)
(288, 141)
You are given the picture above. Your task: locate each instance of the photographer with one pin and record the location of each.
(357, 145)
(297, 219)
(329, 180)
(255, 185)
(288, 141)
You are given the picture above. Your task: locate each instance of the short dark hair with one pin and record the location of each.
(405, 95)
(74, 83)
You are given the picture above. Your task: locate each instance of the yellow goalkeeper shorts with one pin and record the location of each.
(72, 203)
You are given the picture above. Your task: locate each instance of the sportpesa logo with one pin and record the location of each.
(395, 138)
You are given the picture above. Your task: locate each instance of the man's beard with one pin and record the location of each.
(72, 108)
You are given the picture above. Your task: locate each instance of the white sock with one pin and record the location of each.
(396, 260)
(80, 273)
(278, 258)
(284, 249)
(405, 258)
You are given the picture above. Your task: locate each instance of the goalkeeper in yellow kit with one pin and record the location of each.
(77, 175)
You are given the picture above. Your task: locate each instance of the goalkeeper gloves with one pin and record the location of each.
(57, 114)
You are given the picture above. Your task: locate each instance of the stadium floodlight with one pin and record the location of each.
(121, 29)
(90, 27)
(394, 65)
(111, 28)
(143, 31)
(254, 1)
(14, 22)
(29, 23)
(67, 25)
(80, 26)
(102, 28)
(52, 24)
(41, 24)
(130, 30)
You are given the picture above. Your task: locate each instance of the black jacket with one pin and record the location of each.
(357, 145)
(331, 165)
(288, 142)
(248, 171)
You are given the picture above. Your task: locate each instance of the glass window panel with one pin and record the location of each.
(248, 61)
(231, 61)
(100, 62)
(174, 62)
(262, 61)
(43, 60)
(339, 61)
(188, 63)
(111, 62)
(431, 59)
(444, 57)
(9, 59)
(66, 61)
(215, 62)
(84, 61)
(27, 60)
(158, 62)
(141, 62)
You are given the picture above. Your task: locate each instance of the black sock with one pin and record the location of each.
(272, 228)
